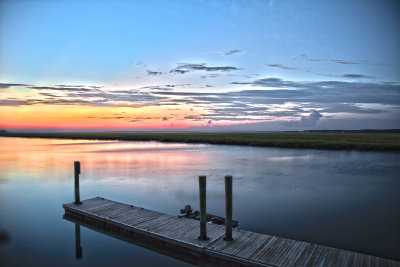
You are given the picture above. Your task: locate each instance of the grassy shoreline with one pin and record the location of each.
(338, 141)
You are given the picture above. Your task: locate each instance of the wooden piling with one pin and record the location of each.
(77, 171)
(78, 247)
(203, 219)
(228, 207)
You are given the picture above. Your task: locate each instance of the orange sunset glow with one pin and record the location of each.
(91, 117)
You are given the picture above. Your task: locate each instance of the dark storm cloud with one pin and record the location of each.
(279, 66)
(186, 67)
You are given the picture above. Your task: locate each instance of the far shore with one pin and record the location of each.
(313, 140)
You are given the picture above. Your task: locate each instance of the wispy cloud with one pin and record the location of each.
(10, 102)
(231, 52)
(154, 73)
(9, 85)
(339, 61)
(357, 76)
(279, 66)
(63, 88)
(305, 57)
(187, 67)
(140, 64)
(344, 62)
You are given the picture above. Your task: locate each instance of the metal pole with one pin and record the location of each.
(228, 207)
(203, 219)
(77, 170)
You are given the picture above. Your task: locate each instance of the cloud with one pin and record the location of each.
(140, 64)
(344, 62)
(193, 117)
(8, 85)
(305, 121)
(305, 57)
(178, 71)
(9, 102)
(264, 99)
(291, 99)
(231, 52)
(186, 67)
(153, 73)
(107, 117)
(279, 66)
(356, 76)
(64, 88)
(340, 61)
(241, 83)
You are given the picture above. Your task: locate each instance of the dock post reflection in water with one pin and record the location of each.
(78, 248)
(77, 171)
(203, 219)
(228, 207)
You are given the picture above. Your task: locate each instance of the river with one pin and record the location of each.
(343, 199)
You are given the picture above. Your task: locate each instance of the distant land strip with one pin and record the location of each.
(382, 141)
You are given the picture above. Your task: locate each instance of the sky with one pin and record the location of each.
(199, 65)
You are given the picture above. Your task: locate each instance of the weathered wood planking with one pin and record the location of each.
(246, 249)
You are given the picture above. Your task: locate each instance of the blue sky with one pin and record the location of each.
(215, 47)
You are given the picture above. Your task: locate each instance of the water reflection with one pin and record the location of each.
(343, 199)
(135, 239)
(78, 247)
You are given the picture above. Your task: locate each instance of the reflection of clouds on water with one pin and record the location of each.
(274, 190)
(78, 143)
(290, 158)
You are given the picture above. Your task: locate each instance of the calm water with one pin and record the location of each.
(341, 199)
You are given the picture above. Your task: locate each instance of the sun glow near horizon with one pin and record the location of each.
(231, 66)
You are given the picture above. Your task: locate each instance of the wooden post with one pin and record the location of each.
(78, 248)
(203, 219)
(77, 170)
(228, 207)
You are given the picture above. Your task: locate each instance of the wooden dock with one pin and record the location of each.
(178, 237)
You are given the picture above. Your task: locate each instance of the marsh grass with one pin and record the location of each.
(342, 141)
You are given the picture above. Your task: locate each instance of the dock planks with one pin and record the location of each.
(247, 248)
